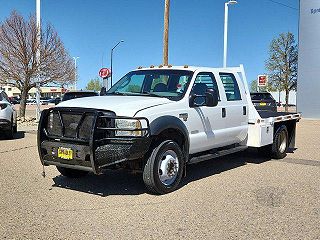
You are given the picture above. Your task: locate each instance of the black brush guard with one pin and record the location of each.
(92, 136)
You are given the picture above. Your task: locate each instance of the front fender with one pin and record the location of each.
(170, 122)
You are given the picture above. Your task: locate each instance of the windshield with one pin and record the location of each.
(259, 96)
(171, 84)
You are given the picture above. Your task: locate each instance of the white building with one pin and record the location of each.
(309, 59)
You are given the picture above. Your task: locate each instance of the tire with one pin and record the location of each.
(164, 168)
(72, 173)
(10, 132)
(280, 143)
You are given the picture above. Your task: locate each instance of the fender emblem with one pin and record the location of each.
(184, 116)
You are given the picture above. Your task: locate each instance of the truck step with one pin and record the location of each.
(216, 154)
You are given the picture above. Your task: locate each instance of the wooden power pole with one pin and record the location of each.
(166, 33)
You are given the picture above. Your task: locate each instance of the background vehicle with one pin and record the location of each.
(78, 94)
(158, 120)
(263, 101)
(8, 116)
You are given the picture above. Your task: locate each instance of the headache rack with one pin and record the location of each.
(97, 132)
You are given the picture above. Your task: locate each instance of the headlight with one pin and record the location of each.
(128, 124)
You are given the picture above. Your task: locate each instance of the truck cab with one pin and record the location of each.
(155, 120)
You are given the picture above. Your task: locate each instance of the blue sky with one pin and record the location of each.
(90, 28)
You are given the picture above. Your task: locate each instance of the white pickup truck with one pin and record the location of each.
(159, 119)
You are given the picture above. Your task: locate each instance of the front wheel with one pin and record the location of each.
(164, 168)
(72, 173)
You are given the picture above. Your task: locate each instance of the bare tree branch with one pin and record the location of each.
(18, 56)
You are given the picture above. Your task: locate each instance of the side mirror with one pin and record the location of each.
(57, 101)
(103, 91)
(211, 98)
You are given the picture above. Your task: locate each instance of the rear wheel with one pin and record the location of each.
(280, 143)
(72, 173)
(163, 170)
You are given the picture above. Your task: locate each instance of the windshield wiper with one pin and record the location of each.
(117, 93)
(152, 95)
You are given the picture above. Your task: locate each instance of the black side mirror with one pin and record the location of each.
(103, 91)
(57, 101)
(211, 98)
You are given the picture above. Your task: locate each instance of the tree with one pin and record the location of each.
(94, 84)
(282, 64)
(18, 56)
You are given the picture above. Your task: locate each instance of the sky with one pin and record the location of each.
(90, 28)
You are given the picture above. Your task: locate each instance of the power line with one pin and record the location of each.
(282, 4)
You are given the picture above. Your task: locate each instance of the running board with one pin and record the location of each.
(216, 154)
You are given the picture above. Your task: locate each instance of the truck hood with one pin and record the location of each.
(121, 105)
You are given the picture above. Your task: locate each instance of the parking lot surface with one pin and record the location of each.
(241, 196)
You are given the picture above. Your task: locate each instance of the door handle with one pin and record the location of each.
(224, 112)
(244, 110)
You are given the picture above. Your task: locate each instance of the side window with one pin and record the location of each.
(230, 86)
(5, 96)
(204, 82)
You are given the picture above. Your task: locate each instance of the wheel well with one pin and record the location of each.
(171, 134)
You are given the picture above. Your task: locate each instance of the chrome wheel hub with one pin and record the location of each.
(168, 167)
(282, 142)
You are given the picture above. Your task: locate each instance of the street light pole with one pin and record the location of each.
(38, 19)
(225, 41)
(111, 58)
(75, 72)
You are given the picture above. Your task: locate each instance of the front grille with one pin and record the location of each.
(75, 125)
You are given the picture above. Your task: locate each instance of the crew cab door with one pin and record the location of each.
(205, 124)
(235, 111)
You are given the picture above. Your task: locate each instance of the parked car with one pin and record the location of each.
(8, 116)
(264, 101)
(14, 100)
(55, 100)
(78, 94)
(157, 120)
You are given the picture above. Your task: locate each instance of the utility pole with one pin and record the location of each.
(166, 33)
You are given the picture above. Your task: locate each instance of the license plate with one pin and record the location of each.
(263, 104)
(65, 153)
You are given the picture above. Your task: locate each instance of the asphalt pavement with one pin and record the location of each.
(241, 196)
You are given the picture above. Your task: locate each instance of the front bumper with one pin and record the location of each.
(5, 124)
(94, 152)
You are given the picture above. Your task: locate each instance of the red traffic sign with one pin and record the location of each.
(262, 80)
(104, 72)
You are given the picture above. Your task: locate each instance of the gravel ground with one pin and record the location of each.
(241, 196)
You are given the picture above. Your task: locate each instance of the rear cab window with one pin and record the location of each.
(230, 86)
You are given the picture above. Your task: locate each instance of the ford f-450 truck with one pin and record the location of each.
(159, 119)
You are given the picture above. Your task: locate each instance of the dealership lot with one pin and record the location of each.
(242, 196)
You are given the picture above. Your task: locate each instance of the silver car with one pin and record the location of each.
(8, 117)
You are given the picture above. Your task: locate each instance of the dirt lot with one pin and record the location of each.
(242, 196)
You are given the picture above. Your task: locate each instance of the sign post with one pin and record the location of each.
(104, 73)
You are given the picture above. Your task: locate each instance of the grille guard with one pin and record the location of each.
(93, 143)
